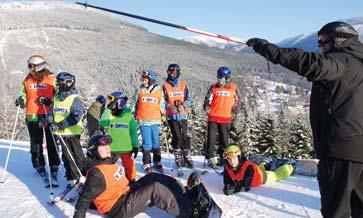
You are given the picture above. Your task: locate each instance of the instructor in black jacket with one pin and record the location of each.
(336, 112)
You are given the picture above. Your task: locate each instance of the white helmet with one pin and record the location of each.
(37, 61)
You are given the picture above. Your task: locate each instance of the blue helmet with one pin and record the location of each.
(224, 72)
(118, 101)
(65, 81)
(101, 99)
(152, 76)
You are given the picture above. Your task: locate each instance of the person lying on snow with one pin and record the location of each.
(111, 193)
(241, 174)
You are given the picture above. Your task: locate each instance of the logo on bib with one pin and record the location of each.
(37, 86)
(223, 93)
(149, 99)
(176, 94)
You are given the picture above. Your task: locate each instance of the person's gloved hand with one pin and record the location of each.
(82, 180)
(19, 101)
(173, 109)
(135, 151)
(256, 42)
(244, 185)
(45, 100)
(134, 185)
(180, 108)
(57, 126)
(229, 190)
(163, 118)
(207, 109)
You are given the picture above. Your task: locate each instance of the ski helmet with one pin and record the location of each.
(101, 99)
(338, 29)
(95, 141)
(224, 72)
(174, 67)
(37, 61)
(151, 75)
(231, 151)
(65, 81)
(118, 101)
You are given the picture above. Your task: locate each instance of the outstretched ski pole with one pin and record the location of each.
(227, 38)
(11, 143)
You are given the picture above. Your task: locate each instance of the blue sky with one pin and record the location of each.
(273, 20)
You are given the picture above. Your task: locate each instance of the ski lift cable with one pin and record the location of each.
(190, 29)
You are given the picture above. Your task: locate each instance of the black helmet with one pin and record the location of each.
(101, 99)
(174, 67)
(338, 29)
(65, 81)
(95, 141)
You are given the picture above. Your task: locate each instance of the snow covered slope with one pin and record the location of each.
(213, 42)
(23, 194)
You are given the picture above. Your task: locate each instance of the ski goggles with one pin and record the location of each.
(230, 154)
(105, 140)
(111, 98)
(30, 66)
(322, 43)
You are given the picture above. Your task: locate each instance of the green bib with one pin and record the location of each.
(119, 130)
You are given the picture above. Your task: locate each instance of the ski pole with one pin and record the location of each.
(45, 153)
(53, 138)
(227, 38)
(70, 155)
(11, 143)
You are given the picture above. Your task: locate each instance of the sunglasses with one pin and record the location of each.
(105, 140)
(322, 43)
(30, 66)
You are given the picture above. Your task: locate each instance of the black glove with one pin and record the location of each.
(254, 42)
(134, 185)
(229, 190)
(20, 102)
(135, 151)
(57, 126)
(244, 185)
(45, 100)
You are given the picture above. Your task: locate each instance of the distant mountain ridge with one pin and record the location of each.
(306, 41)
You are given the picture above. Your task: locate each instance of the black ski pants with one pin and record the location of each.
(154, 189)
(179, 130)
(341, 188)
(223, 132)
(73, 143)
(36, 145)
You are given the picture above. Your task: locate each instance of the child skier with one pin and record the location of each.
(122, 127)
(240, 174)
(149, 107)
(68, 110)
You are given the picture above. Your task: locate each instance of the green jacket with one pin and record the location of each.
(122, 129)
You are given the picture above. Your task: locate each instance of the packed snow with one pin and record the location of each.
(23, 193)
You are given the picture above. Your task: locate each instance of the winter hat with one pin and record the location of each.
(101, 99)
(231, 151)
(95, 141)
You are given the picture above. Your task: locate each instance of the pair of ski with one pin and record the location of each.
(69, 194)
(180, 171)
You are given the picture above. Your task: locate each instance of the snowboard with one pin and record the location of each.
(203, 205)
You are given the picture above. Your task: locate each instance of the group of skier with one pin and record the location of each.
(111, 183)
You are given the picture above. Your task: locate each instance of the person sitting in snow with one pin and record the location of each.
(241, 174)
(111, 193)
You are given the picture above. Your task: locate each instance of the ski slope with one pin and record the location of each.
(23, 193)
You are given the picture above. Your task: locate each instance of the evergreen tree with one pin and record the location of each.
(300, 140)
(282, 135)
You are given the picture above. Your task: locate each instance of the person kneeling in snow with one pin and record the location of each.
(241, 174)
(110, 191)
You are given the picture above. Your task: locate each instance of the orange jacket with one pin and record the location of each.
(116, 186)
(34, 90)
(174, 94)
(148, 106)
(257, 178)
(222, 101)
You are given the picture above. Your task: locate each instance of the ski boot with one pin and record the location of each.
(187, 158)
(54, 175)
(159, 167)
(147, 168)
(178, 158)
